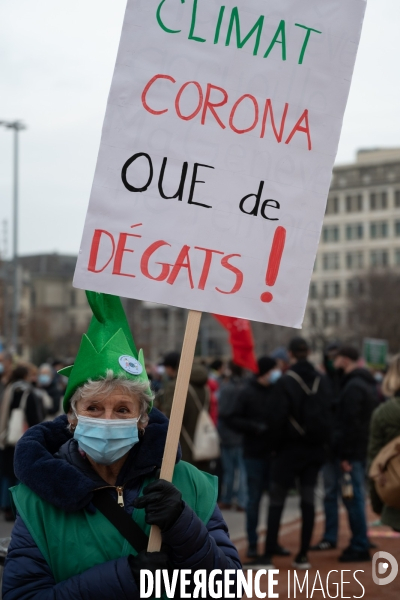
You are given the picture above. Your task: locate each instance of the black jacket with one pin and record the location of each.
(289, 401)
(34, 413)
(55, 393)
(227, 396)
(357, 401)
(250, 417)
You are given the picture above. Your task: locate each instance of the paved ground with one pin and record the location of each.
(236, 521)
(324, 562)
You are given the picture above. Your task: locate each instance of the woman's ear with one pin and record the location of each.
(142, 428)
(72, 421)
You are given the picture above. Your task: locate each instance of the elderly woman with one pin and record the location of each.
(90, 492)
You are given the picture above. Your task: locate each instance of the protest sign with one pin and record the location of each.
(220, 134)
(375, 353)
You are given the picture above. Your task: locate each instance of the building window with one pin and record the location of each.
(331, 234)
(397, 256)
(350, 287)
(378, 201)
(355, 232)
(313, 318)
(351, 318)
(379, 258)
(331, 318)
(332, 206)
(331, 262)
(313, 291)
(355, 286)
(331, 289)
(33, 298)
(354, 203)
(397, 228)
(397, 198)
(354, 260)
(379, 229)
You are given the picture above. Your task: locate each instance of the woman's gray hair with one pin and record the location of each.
(104, 386)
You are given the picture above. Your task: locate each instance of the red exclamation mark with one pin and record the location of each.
(274, 262)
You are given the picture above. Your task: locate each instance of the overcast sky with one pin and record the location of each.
(56, 63)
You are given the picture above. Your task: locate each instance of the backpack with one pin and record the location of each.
(316, 427)
(13, 424)
(385, 473)
(205, 443)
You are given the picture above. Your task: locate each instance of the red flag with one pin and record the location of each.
(241, 340)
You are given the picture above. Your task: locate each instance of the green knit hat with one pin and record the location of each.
(108, 344)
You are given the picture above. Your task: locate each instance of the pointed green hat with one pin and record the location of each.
(108, 344)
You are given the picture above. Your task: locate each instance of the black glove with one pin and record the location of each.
(152, 561)
(162, 502)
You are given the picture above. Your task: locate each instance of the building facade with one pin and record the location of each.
(361, 233)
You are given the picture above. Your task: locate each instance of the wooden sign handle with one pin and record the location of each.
(178, 408)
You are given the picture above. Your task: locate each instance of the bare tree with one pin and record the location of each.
(374, 303)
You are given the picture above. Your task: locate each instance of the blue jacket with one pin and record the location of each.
(47, 460)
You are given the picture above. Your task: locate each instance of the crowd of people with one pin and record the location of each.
(39, 391)
(287, 427)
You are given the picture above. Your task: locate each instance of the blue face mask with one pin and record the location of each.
(275, 375)
(106, 440)
(44, 379)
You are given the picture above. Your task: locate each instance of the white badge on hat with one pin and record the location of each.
(130, 365)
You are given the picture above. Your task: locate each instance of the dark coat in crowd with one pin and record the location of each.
(67, 481)
(357, 401)
(296, 452)
(289, 402)
(250, 417)
(34, 413)
(197, 390)
(227, 397)
(55, 393)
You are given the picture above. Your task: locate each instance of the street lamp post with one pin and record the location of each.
(16, 126)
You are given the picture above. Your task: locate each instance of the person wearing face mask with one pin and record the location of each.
(300, 414)
(47, 381)
(19, 395)
(250, 418)
(330, 480)
(233, 479)
(90, 491)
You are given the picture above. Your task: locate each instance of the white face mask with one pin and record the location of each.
(106, 440)
(275, 375)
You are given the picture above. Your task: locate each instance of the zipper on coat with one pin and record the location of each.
(120, 492)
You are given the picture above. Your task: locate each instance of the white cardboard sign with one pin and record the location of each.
(220, 135)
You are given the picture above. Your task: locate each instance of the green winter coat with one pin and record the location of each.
(385, 426)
